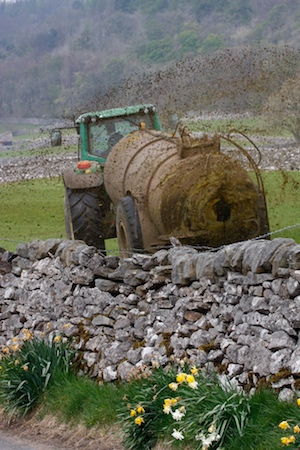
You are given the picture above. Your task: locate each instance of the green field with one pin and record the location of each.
(30, 210)
(34, 209)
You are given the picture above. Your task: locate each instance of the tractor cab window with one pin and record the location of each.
(103, 135)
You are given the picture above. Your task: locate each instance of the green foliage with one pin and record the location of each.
(79, 399)
(175, 407)
(156, 51)
(240, 12)
(190, 406)
(188, 41)
(203, 7)
(262, 431)
(28, 369)
(212, 43)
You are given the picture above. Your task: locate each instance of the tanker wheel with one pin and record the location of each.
(83, 216)
(128, 226)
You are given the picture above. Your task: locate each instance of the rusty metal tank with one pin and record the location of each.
(183, 186)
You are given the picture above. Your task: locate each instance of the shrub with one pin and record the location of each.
(28, 368)
(186, 407)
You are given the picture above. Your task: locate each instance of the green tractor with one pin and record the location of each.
(89, 214)
(147, 187)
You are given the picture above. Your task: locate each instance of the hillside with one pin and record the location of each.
(58, 58)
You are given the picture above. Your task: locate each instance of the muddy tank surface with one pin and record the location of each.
(184, 186)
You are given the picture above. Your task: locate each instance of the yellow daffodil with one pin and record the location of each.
(57, 339)
(27, 335)
(167, 406)
(140, 409)
(133, 413)
(167, 409)
(14, 347)
(181, 377)
(25, 368)
(296, 429)
(139, 420)
(298, 401)
(190, 379)
(194, 370)
(173, 386)
(288, 440)
(170, 401)
(284, 425)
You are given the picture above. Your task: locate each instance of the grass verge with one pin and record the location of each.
(175, 407)
(148, 412)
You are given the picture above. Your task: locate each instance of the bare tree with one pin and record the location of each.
(283, 107)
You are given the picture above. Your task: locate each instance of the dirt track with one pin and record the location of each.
(58, 436)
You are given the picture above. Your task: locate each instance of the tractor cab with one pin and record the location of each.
(100, 131)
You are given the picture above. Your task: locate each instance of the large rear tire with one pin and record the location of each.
(83, 216)
(128, 226)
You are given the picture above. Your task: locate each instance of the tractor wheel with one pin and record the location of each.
(83, 216)
(128, 226)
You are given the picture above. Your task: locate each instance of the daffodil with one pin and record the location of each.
(27, 335)
(181, 377)
(288, 440)
(284, 425)
(296, 429)
(167, 409)
(173, 386)
(139, 420)
(292, 439)
(140, 409)
(177, 435)
(212, 428)
(298, 401)
(25, 368)
(177, 414)
(57, 339)
(190, 378)
(170, 401)
(14, 347)
(133, 413)
(194, 370)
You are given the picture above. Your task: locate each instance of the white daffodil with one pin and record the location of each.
(177, 435)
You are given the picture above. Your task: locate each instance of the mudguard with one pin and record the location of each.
(82, 180)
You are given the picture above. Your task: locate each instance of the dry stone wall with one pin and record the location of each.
(236, 309)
